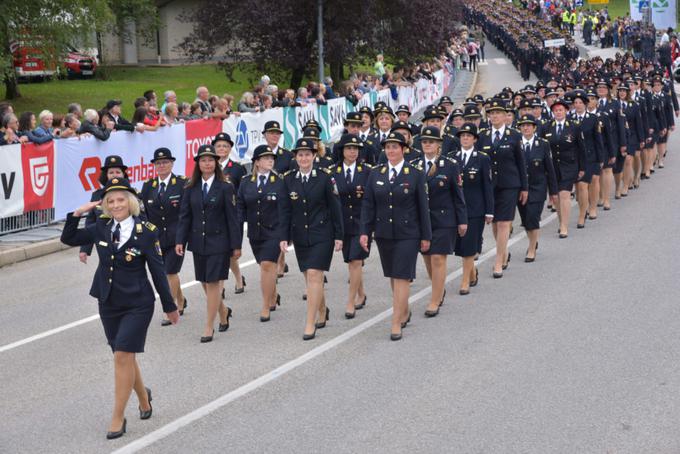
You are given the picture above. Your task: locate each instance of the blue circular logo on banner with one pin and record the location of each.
(241, 139)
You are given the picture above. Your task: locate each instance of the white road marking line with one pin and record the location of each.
(210, 407)
(500, 61)
(483, 63)
(89, 319)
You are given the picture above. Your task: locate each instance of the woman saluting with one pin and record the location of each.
(126, 247)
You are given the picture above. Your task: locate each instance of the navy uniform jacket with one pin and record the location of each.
(644, 106)
(541, 171)
(163, 212)
(259, 207)
(352, 195)
(591, 127)
(92, 216)
(508, 169)
(367, 153)
(233, 171)
(398, 210)
(210, 228)
(668, 101)
(635, 133)
(121, 274)
(477, 184)
(568, 151)
(444, 192)
(283, 159)
(310, 214)
(658, 113)
(617, 124)
(608, 134)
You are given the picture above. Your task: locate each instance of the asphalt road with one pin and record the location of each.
(575, 353)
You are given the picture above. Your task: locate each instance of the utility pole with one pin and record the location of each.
(320, 39)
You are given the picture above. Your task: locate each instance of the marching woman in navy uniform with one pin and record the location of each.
(542, 180)
(509, 174)
(635, 137)
(284, 159)
(233, 172)
(162, 197)
(668, 121)
(113, 168)
(126, 247)
(258, 205)
(478, 193)
(395, 209)
(351, 177)
(447, 211)
(569, 158)
(209, 223)
(311, 215)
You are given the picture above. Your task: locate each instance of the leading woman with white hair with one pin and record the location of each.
(127, 246)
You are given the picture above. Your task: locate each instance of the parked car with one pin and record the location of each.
(79, 64)
(29, 63)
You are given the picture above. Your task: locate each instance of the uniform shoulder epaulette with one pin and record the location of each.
(274, 172)
(453, 160)
(382, 164)
(104, 216)
(482, 153)
(413, 166)
(288, 172)
(367, 165)
(369, 141)
(541, 139)
(181, 177)
(325, 170)
(150, 226)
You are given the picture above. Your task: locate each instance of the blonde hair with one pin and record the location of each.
(133, 203)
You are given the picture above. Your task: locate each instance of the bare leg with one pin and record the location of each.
(564, 211)
(637, 167)
(627, 174)
(582, 197)
(214, 303)
(355, 279)
(268, 286)
(176, 290)
(236, 269)
(314, 280)
(502, 234)
(533, 242)
(140, 389)
(606, 187)
(124, 374)
(427, 260)
(468, 272)
(593, 193)
(401, 291)
(438, 263)
(281, 264)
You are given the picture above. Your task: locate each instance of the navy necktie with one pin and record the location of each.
(161, 192)
(496, 137)
(205, 192)
(115, 236)
(263, 181)
(429, 166)
(348, 177)
(394, 175)
(559, 129)
(304, 180)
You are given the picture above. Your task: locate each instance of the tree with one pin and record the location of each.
(50, 25)
(282, 38)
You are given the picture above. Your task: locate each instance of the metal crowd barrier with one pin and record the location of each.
(26, 221)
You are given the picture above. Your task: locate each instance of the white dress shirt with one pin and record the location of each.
(209, 181)
(467, 154)
(396, 167)
(126, 226)
(351, 168)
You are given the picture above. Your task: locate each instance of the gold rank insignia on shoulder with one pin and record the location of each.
(383, 170)
(339, 169)
(358, 168)
(406, 170)
(173, 181)
(155, 182)
(138, 228)
(313, 172)
(252, 178)
(293, 196)
(272, 178)
(441, 163)
(149, 226)
(104, 216)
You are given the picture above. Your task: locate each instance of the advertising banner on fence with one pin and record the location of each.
(37, 162)
(79, 162)
(332, 119)
(12, 180)
(246, 132)
(198, 132)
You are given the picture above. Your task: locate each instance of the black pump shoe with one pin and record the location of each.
(186, 304)
(117, 434)
(408, 320)
(362, 305)
(350, 315)
(395, 337)
(278, 303)
(146, 414)
(243, 287)
(306, 337)
(434, 313)
(222, 328)
(206, 339)
(320, 325)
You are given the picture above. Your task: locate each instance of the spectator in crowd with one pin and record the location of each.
(202, 98)
(316, 93)
(267, 102)
(150, 96)
(247, 103)
(75, 109)
(171, 115)
(43, 132)
(168, 96)
(328, 83)
(5, 108)
(196, 111)
(379, 67)
(264, 81)
(138, 119)
(90, 125)
(59, 128)
(10, 128)
(141, 102)
(184, 111)
(71, 126)
(113, 113)
(27, 124)
(302, 96)
(472, 53)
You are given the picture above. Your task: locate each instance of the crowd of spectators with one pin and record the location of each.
(151, 113)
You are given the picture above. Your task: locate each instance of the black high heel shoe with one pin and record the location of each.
(186, 304)
(237, 290)
(408, 320)
(222, 328)
(350, 315)
(146, 414)
(278, 303)
(306, 337)
(505, 265)
(363, 303)
(320, 325)
(117, 434)
(395, 337)
(206, 339)
(474, 283)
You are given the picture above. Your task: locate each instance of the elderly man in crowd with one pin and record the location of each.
(202, 98)
(169, 96)
(90, 125)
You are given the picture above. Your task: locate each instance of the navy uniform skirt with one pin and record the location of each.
(172, 261)
(663, 139)
(530, 214)
(505, 203)
(471, 243)
(592, 169)
(352, 250)
(315, 257)
(265, 250)
(125, 324)
(211, 268)
(398, 257)
(443, 242)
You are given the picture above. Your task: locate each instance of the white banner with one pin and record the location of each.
(12, 181)
(663, 13)
(246, 131)
(332, 117)
(635, 13)
(79, 162)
